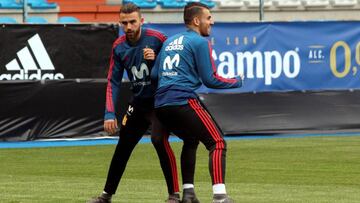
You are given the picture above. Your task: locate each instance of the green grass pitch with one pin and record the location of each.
(310, 169)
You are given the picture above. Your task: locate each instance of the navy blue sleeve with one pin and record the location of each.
(155, 69)
(207, 69)
(115, 75)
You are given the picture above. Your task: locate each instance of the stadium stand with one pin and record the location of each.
(36, 20)
(67, 19)
(255, 3)
(5, 20)
(10, 4)
(316, 3)
(166, 4)
(107, 13)
(209, 3)
(142, 4)
(230, 4)
(170, 11)
(89, 10)
(41, 4)
(344, 3)
(287, 3)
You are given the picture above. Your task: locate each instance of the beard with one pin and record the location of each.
(132, 35)
(206, 34)
(205, 31)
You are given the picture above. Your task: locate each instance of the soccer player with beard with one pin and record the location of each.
(135, 52)
(184, 63)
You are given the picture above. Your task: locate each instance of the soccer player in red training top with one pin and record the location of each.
(135, 52)
(183, 64)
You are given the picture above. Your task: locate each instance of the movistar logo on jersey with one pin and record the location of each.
(33, 65)
(176, 44)
(169, 64)
(140, 74)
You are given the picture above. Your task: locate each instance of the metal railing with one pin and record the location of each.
(25, 11)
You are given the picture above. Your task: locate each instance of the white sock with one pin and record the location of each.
(187, 186)
(219, 189)
(106, 195)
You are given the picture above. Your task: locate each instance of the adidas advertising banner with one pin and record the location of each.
(285, 56)
(53, 52)
(297, 76)
(53, 80)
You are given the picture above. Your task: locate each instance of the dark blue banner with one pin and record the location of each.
(285, 56)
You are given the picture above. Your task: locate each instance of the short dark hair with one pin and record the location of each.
(193, 9)
(129, 8)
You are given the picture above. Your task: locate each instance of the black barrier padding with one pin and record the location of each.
(75, 108)
(54, 109)
(285, 112)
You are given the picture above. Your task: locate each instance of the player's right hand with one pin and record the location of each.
(110, 126)
(149, 54)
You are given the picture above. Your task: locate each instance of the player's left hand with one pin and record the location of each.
(111, 126)
(149, 54)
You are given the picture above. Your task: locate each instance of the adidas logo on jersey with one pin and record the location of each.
(175, 45)
(29, 63)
